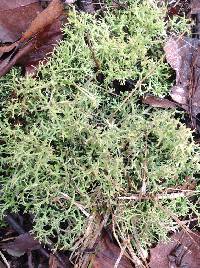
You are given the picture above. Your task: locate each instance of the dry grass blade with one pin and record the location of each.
(137, 197)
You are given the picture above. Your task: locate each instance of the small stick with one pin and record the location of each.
(121, 254)
(176, 219)
(4, 259)
(137, 197)
(79, 206)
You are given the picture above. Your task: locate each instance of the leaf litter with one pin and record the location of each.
(22, 244)
(183, 250)
(39, 32)
(183, 55)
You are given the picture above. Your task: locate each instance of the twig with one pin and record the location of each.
(30, 260)
(89, 240)
(121, 254)
(90, 45)
(4, 259)
(131, 254)
(78, 205)
(176, 219)
(137, 197)
(139, 247)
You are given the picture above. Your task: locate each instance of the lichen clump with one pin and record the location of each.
(68, 131)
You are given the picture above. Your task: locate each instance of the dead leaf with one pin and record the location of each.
(182, 251)
(195, 7)
(43, 19)
(53, 262)
(87, 5)
(183, 54)
(107, 253)
(158, 102)
(11, 27)
(22, 244)
(42, 48)
(46, 32)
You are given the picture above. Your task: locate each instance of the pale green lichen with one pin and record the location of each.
(66, 132)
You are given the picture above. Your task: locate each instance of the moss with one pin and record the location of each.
(66, 132)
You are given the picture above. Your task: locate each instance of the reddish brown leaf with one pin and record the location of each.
(182, 251)
(8, 63)
(43, 19)
(158, 102)
(107, 255)
(35, 51)
(22, 244)
(39, 47)
(44, 45)
(16, 17)
(53, 262)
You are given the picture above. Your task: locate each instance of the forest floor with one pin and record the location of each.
(100, 112)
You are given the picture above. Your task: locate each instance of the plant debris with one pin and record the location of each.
(16, 17)
(79, 151)
(183, 55)
(158, 102)
(22, 244)
(108, 254)
(183, 250)
(39, 39)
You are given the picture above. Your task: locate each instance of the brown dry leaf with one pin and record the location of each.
(181, 251)
(195, 7)
(22, 244)
(35, 51)
(108, 253)
(42, 48)
(15, 17)
(38, 48)
(87, 5)
(183, 55)
(43, 19)
(158, 102)
(53, 262)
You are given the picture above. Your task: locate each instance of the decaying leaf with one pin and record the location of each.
(195, 7)
(53, 262)
(16, 17)
(107, 254)
(158, 102)
(42, 20)
(183, 250)
(22, 244)
(87, 5)
(42, 47)
(183, 55)
(37, 42)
